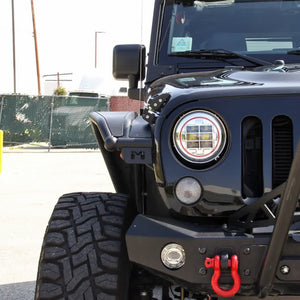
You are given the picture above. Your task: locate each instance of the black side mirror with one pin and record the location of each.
(129, 63)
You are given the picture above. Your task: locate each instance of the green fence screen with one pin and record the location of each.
(49, 120)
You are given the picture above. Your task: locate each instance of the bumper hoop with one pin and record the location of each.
(215, 263)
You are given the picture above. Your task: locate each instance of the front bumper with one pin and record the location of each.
(147, 236)
(262, 255)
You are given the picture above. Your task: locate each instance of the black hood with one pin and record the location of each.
(268, 79)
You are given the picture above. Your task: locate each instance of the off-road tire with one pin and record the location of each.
(83, 254)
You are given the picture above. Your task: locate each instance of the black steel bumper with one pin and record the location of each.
(261, 254)
(147, 237)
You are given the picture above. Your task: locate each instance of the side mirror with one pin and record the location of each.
(129, 63)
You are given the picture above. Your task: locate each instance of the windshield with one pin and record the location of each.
(265, 29)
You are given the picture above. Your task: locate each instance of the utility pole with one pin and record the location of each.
(58, 77)
(14, 49)
(58, 81)
(36, 49)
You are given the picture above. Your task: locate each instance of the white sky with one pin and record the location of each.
(66, 37)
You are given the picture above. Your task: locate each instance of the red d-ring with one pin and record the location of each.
(215, 263)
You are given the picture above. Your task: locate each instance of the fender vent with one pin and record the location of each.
(282, 145)
(252, 158)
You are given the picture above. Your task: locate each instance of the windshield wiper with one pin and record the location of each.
(221, 54)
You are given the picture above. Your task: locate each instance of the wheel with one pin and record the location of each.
(84, 254)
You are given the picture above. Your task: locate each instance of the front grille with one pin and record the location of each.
(282, 149)
(252, 154)
(252, 158)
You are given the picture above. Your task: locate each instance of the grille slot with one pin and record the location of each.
(252, 158)
(282, 149)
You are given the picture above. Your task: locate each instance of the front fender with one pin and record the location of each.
(125, 139)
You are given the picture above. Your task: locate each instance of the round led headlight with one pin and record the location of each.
(199, 137)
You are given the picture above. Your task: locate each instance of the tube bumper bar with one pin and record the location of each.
(284, 219)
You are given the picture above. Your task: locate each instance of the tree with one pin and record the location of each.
(60, 91)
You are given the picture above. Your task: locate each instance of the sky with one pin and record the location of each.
(66, 38)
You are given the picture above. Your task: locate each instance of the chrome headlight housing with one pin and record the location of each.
(199, 137)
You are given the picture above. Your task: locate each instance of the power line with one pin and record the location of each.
(58, 79)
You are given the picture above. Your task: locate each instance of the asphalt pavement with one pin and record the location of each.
(30, 185)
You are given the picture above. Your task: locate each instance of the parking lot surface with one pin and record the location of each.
(30, 184)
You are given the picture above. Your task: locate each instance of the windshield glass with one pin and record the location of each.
(255, 28)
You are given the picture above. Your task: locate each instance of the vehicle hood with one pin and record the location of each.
(259, 80)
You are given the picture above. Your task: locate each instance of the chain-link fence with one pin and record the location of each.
(49, 121)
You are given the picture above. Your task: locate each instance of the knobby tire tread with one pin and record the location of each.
(83, 254)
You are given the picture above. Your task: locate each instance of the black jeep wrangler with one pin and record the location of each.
(207, 176)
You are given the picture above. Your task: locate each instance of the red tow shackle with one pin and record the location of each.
(215, 263)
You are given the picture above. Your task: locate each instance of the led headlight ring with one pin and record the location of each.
(205, 155)
(199, 137)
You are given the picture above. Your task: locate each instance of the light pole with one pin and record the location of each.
(96, 42)
(14, 49)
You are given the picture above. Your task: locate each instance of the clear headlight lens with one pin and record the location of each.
(188, 190)
(199, 136)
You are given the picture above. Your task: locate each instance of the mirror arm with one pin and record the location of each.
(133, 81)
(137, 94)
